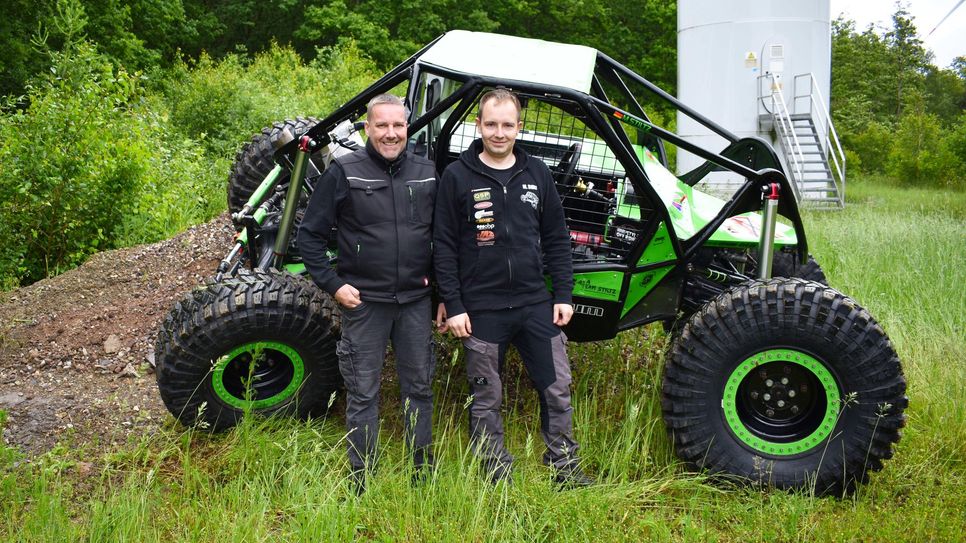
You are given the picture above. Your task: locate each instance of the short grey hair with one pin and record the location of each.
(384, 98)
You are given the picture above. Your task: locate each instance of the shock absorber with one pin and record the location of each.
(769, 215)
(306, 147)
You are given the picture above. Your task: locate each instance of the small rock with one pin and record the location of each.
(33, 354)
(84, 468)
(112, 344)
(150, 358)
(129, 371)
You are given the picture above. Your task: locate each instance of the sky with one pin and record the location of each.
(946, 43)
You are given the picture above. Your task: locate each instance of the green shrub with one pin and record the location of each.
(69, 165)
(921, 154)
(872, 146)
(222, 103)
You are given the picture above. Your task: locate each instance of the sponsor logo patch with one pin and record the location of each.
(485, 236)
(482, 227)
(482, 214)
(481, 195)
(482, 205)
(485, 220)
(480, 381)
(529, 187)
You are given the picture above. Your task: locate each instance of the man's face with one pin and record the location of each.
(499, 126)
(386, 128)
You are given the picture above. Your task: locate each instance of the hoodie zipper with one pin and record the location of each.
(506, 222)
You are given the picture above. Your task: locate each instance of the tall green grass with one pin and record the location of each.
(896, 252)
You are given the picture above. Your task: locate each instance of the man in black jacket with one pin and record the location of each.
(498, 220)
(381, 198)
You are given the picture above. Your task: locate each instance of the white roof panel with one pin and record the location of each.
(509, 57)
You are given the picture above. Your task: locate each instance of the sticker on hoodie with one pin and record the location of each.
(530, 198)
(485, 237)
(481, 195)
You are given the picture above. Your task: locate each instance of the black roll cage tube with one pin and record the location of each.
(747, 198)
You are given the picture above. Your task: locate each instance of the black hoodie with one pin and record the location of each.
(492, 240)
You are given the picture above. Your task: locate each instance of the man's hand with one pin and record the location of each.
(562, 314)
(348, 296)
(459, 325)
(441, 323)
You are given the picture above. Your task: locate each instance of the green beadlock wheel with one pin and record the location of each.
(262, 342)
(258, 375)
(785, 383)
(781, 402)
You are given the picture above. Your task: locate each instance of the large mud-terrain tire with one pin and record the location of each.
(787, 265)
(787, 383)
(272, 331)
(254, 160)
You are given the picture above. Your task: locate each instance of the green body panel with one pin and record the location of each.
(659, 249)
(640, 285)
(295, 269)
(599, 285)
(255, 348)
(816, 438)
(690, 210)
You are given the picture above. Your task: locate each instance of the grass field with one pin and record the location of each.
(900, 253)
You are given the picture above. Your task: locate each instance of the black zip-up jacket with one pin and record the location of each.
(493, 240)
(384, 214)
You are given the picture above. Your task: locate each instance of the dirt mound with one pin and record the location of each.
(77, 350)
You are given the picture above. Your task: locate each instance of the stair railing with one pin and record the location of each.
(830, 137)
(791, 147)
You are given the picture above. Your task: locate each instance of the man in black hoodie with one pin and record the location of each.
(381, 198)
(498, 220)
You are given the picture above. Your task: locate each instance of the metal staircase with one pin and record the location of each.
(807, 140)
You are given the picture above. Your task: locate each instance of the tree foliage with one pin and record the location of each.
(896, 112)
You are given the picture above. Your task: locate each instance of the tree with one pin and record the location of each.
(910, 59)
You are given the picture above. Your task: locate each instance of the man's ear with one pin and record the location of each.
(478, 129)
(366, 128)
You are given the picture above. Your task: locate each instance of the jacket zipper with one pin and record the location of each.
(395, 220)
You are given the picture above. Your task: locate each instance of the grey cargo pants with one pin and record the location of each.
(366, 331)
(542, 347)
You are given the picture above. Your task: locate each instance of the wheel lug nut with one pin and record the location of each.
(781, 403)
(754, 395)
(770, 412)
(784, 380)
(791, 393)
(769, 382)
(767, 396)
(794, 409)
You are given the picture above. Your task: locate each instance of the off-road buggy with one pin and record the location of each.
(772, 376)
